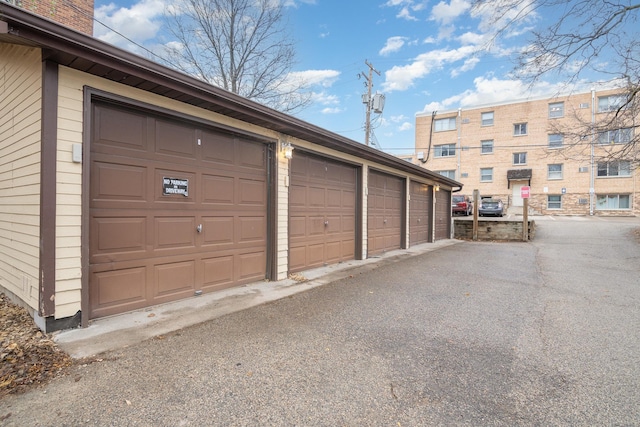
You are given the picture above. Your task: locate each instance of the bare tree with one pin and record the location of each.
(239, 45)
(587, 35)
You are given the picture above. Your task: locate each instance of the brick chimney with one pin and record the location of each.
(76, 14)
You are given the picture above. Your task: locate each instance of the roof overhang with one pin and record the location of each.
(519, 175)
(81, 52)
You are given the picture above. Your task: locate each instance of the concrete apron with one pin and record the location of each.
(114, 332)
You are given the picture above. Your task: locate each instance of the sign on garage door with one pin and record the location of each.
(175, 209)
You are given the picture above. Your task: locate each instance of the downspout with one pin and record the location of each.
(433, 117)
(459, 144)
(592, 184)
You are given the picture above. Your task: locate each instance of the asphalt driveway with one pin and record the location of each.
(500, 334)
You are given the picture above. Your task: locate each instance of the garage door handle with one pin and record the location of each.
(418, 219)
(384, 221)
(199, 228)
(326, 223)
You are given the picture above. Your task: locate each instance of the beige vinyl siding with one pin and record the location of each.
(283, 217)
(68, 201)
(20, 116)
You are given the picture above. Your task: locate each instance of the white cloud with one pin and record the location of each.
(141, 22)
(407, 7)
(446, 13)
(405, 126)
(468, 65)
(491, 91)
(331, 110)
(393, 44)
(324, 98)
(470, 38)
(405, 14)
(403, 77)
(324, 78)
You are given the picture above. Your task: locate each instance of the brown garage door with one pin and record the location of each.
(174, 210)
(322, 211)
(420, 207)
(385, 212)
(443, 215)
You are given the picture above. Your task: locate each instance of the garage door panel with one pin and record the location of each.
(115, 182)
(316, 197)
(252, 229)
(333, 252)
(252, 192)
(174, 232)
(419, 213)
(297, 226)
(119, 128)
(116, 291)
(317, 169)
(348, 199)
(443, 215)
(385, 212)
(151, 240)
(297, 196)
(218, 148)
(218, 272)
(174, 278)
(251, 156)
(118, 234)
(334, 198)
(218, 230)
(251, 266)
(218, 189)
(297, 258)
(315, 226)
(175, 140)
(319, 195)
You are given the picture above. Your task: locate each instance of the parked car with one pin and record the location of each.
(491, 207)
(461, 204)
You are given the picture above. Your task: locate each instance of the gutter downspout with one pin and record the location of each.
(592, 183)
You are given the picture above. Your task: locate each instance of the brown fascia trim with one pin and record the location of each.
(48, 146)
(58, 38)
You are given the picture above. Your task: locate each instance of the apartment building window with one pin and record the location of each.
(613, 201)
(486, 174)
(486, 147)
(554, 171)
(520, 129)
(449, 174)
(519, 158)
(621, 168)
(618, 136)
(554, 202)
(445, 124)
(556, 140)
(610, 103)
(556, 110)
(487, 118)
(446, 150)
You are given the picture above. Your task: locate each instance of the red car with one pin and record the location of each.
(461, 204)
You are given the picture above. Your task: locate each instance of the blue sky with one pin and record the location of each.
(431, 55)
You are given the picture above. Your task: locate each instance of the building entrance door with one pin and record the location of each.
(516, 199)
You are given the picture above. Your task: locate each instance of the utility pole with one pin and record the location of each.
(366, 99)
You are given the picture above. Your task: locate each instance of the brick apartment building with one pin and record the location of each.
(558, 146)
(76, 14)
